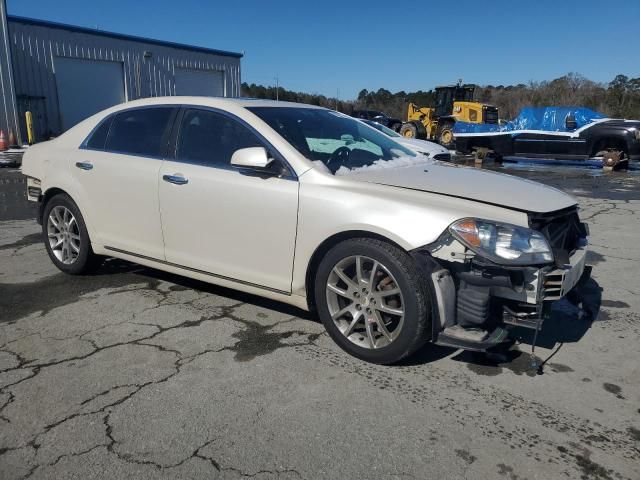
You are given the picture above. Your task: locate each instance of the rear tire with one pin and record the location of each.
(390, 282)
(604, 153)
(66, 238)
(445, 135)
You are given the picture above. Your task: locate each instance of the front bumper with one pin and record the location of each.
(560, 281)
(471, 293)
(554, 284)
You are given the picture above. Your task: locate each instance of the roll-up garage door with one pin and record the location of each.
(87, 86)
(209, 83)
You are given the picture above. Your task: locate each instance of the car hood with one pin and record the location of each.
(472, 184)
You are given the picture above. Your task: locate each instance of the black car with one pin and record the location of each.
(379, 117)
(595, 139)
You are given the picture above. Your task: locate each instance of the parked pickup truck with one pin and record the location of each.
(554, 132)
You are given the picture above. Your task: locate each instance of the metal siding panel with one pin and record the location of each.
(9, 107)
(34, 47)
(87, 86)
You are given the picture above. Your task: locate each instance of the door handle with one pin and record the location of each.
(175, 179)
(84, 165)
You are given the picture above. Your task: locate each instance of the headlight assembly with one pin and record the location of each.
(501, 242)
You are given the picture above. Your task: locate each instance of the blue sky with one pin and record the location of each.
(326, 46)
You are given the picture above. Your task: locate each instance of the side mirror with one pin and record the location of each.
(254, 158)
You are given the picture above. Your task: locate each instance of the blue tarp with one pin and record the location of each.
(550, 119)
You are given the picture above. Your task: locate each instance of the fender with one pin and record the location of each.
(599, 135)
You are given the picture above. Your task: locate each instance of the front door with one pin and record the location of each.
(221, 220)
(550, 146)
(529, 144)
(566, 147)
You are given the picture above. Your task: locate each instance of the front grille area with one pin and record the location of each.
(562, 229)
(552, 285)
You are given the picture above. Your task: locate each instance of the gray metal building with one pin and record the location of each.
(63, 73)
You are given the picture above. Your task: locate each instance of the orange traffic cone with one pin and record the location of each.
(12, 139)
(3, 142)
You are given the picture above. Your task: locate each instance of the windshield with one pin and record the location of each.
(381, 128)
(330, 137)
(338, 141)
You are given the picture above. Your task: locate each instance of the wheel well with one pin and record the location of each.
(327, 245)
(609, 142)
(45, 198)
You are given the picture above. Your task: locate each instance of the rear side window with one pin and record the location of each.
(140, 131)
(99, 136)
(209, 138)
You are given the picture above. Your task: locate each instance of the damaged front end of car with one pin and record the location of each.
(488, 277)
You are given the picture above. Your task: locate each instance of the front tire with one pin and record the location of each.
(409, 130)
(66, 238)
(373, 301)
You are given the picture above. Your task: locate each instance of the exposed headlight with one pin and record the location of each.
(637, 132)
(502, 243)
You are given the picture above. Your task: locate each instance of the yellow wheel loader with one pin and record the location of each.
(453, 103)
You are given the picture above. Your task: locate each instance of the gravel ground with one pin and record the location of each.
(136, 373)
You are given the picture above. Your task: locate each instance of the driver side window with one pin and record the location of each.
(209, 138)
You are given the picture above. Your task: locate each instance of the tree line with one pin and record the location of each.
(619, 98)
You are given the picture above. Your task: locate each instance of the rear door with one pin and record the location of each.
(117, 173)
(219, 219)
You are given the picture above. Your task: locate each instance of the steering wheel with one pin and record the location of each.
(338, 156)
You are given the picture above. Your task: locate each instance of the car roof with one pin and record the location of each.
(219, 102)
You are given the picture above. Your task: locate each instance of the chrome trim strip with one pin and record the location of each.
(175, 179)
(109, 117)
(174, 139)
(84, 165)
(188, 106)
(195, 270)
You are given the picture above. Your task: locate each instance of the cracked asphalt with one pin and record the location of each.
(134, 373)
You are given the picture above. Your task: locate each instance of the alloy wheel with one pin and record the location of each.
(63, 234)
(365, 301)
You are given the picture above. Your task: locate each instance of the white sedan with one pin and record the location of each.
(423, 147)
(313, 208)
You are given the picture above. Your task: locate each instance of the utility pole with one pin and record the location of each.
(337, 96)
(277, 87)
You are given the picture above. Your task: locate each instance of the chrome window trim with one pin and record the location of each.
(84, 146)
(175, 137)
(291, 175)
